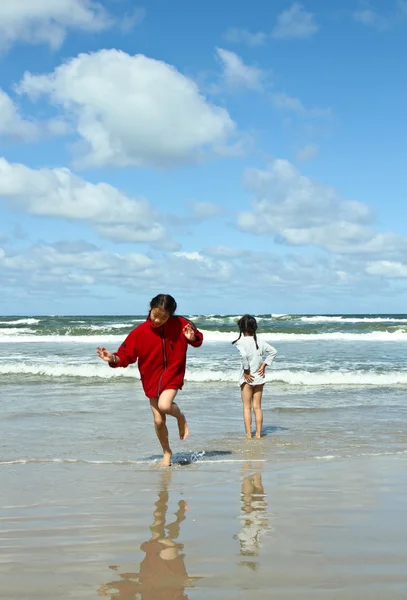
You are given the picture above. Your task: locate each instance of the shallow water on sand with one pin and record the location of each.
(217, 530)
(111, 422)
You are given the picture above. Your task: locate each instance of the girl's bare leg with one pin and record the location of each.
(167, 406)
(161, 431)
(258, 413)
(247, 397)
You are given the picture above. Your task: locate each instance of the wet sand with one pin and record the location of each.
(220, 530)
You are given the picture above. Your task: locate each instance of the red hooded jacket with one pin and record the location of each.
(161, 353)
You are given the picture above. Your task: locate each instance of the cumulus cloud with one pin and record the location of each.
(75, 269)
(12, 124)
(388, 269)
(80, 270)
(15, 127)
(60, 194)
(299, 211)
(295, 23)
(133, 110)
(236, 74)
(47, 21)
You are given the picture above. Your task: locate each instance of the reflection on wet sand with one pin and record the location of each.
(162, 574)
(253, 518)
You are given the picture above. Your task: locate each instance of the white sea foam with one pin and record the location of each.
(399, 335)
(309, 378)
(88, 371)
(301, 378)
(373, 336)
(339, 319)
(64, 339)
(21, 322)
(14, 331)
(112, 326)
(198, 457)
(364, 454)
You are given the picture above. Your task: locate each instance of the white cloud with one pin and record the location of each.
(80, 270)
(295, 23)
(236, 74)
(61, 194)
(387, 269)
(307, 152)
(237, 35)
(12, 124)
(191, 256)
(133, 110)
(283, 101)
(299, 211)
(47, 21)
(48, 269)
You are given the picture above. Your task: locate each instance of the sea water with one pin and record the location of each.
(336, 389)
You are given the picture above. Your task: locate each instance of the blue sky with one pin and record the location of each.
(244, 157)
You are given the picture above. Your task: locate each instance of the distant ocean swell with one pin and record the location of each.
(216, 328)
(302, 378)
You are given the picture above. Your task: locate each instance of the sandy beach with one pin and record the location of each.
(218, 529)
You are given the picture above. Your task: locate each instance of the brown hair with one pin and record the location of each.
(165, 302)
(247, 324)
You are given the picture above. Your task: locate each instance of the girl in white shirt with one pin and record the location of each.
(255, 355)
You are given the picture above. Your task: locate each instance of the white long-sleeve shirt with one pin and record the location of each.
(252, 358)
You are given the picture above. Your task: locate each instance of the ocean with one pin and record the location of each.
(314, 509)
(337, 388)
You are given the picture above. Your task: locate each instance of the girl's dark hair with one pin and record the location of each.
(165, 302)
(247, 324)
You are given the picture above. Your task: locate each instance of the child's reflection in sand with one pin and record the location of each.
(253, 517)
(162, 574)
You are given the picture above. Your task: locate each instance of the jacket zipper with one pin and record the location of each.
(164, 361)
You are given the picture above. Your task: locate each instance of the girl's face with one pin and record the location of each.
(159, 317)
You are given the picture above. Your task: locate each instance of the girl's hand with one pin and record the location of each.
(104, 354)
(247, 376)
(262, 369)
(189, 332)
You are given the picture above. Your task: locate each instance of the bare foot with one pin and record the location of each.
(258, 436)
(183, 428)
(166, 461)
(249, 436)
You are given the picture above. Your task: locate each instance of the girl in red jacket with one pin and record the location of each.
(160, 345)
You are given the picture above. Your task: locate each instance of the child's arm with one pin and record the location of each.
(125, 355)
(270, 353)
(193, 335)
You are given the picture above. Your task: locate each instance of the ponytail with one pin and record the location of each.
(237, 339)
